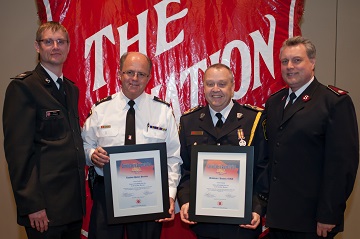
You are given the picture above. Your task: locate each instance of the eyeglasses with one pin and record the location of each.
(50, 42)
(140, 75)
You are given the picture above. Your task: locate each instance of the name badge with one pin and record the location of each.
(51, 113)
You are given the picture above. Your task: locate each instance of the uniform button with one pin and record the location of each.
(281, 128)
(277, 144)
(275, 162)
(274, 178)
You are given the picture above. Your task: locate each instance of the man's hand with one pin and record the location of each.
(171, 212)
(39, 220)
(100, 157)
(184, 214)
(254, 222)
(323, 229)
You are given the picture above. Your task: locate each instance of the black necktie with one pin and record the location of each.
(290, 103)
(130, 124)
(61, 90)
(219, 123)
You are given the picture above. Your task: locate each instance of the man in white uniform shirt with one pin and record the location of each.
(106, 127)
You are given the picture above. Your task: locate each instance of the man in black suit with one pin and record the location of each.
(42, 141)
(235, 126)
(313, 147)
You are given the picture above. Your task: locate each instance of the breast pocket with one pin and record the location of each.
(109, 136)
(154, 136)
(196, 140)
(52, 125)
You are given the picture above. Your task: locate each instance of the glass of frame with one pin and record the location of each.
(221, 184)
(136, 183)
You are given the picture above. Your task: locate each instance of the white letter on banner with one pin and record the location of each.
(193, 71)
(265, 49)
(163, 21)
(99, 80)
(215, 58)
(245, 65)
(172, 97)
(141, 36)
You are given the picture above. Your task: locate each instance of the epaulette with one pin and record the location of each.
(22, 75)
(253, 107)
(103, 100)
(192, 110)
(98, 103)
(161, 101)
(337, 91)
(284, 88)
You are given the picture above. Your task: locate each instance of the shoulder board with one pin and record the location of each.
(22, 75)
(103, 100)
(90, 113)
(192, 110)
(253, 107)
(284, 88)
(161, 101)
(336, 90)
(98, 103)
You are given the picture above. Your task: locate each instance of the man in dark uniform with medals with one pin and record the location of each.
(222, 122)
(313, 146)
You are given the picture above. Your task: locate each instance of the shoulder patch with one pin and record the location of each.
(337, 91)
(253, 107)
(284, 88)
(192, 110)
(161, 101)
(22, 75)
(103, 100)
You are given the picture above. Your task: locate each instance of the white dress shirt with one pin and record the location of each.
(154, 123)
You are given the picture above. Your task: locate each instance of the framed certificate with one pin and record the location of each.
(221, 184)
(136, 183)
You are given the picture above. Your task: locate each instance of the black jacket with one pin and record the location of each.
(314, 155)
(44, 149)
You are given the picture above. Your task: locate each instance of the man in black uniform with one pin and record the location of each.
(42, 142)
(222, 122)
(313, 146)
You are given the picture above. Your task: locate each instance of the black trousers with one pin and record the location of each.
(100, 229)
(68, 231)
(284, 234)
(224, 231)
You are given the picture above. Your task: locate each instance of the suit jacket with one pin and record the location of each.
(240, 117)
(314, 155)
(43, 148)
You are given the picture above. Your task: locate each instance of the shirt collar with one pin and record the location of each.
(301, 89)
(138, 100)
(225, 112)
(52, 75)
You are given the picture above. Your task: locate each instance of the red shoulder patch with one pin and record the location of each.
(336, 90)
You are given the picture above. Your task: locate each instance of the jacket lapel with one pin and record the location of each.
(233, 121)
(49, 84)
(301, 101)
(206, 122)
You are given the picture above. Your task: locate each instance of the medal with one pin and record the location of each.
(242, 142)
(241, 137)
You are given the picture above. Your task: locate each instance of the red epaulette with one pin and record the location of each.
(337, 91)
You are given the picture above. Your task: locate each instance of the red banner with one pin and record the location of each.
(182, 38)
